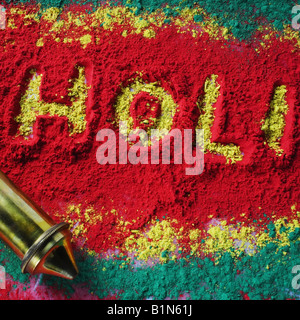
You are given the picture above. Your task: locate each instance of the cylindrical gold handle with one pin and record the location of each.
(43, 245)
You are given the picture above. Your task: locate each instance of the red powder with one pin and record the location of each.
(56, 169)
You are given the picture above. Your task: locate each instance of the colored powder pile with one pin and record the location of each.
(70, 69)
(242, 17)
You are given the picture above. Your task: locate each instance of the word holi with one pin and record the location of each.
(147, 106)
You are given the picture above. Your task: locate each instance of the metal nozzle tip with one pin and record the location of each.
(60, 263)
(52, 254)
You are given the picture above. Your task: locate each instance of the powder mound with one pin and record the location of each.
(150, 230)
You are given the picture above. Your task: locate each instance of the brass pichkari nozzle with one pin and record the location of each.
(42, 245)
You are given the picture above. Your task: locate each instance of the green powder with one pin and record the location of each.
(241, 17)
(12, 264)
(198, 18)
(266, 275)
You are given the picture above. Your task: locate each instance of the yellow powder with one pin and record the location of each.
(160, 238)
(85, 40)
(206, 120)
(274, 124)
(149, 33)
(51, 14)
(110, 18)
(124, 101)
(40, 42)
(32, 106)
(125, 33)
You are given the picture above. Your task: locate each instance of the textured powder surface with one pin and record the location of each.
(242, 16)
(151, 231)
